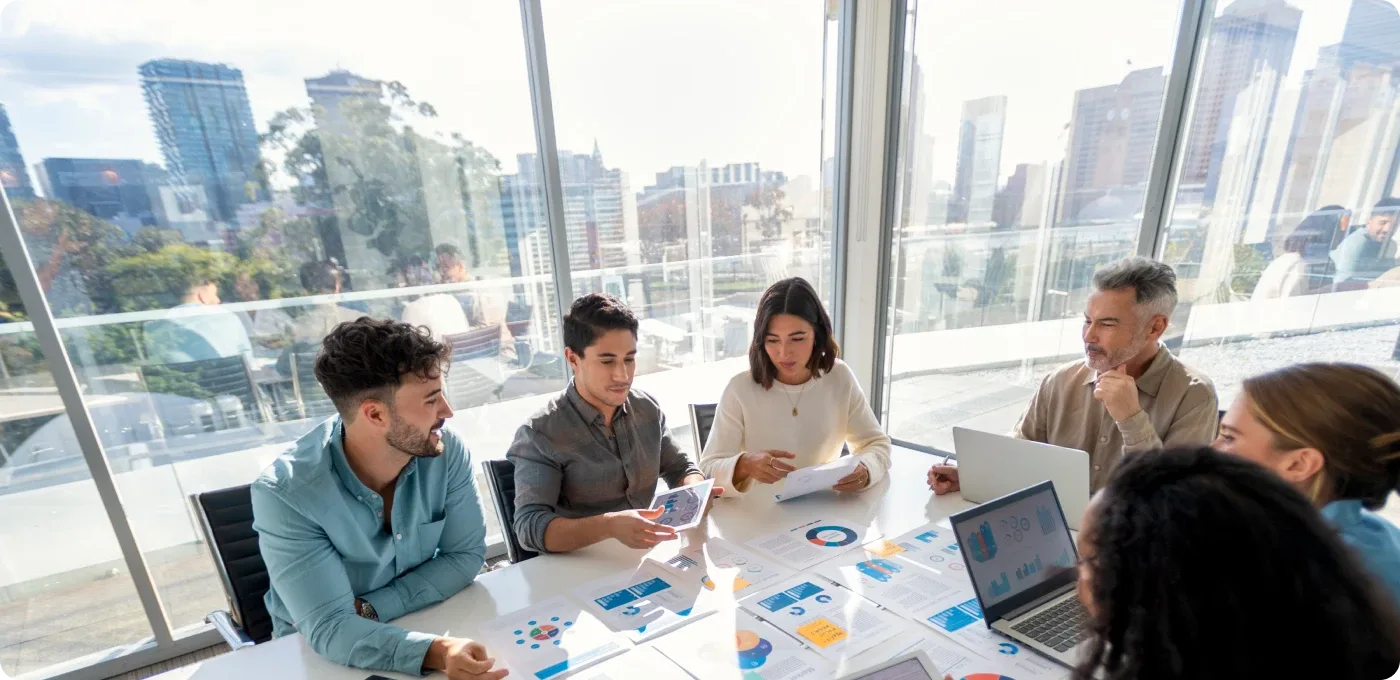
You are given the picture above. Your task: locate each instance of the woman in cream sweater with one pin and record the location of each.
(796, 405)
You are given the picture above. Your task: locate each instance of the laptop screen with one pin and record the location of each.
(1015, 543)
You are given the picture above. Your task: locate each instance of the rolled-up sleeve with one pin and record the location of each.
(306, 571)
(461, 549)
(538, 478)
(675, 464)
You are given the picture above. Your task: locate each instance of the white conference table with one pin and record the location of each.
(899, 503)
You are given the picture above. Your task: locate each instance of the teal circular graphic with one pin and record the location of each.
(536, 633)
(831, 536)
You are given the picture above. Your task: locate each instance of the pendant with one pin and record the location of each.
(794, 411)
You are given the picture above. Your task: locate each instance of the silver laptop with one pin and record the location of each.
(1021, 561)
(992, 465)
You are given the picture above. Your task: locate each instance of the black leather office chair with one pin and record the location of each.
(500, 478)
(702, 417)
(226, 518)
(311, 398)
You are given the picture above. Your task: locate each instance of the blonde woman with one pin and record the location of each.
(1333, 431)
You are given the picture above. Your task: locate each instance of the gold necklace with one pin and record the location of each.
(799, 397)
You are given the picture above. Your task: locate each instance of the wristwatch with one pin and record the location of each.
(365, 610)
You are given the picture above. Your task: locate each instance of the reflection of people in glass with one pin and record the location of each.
(796, 405)
(1188, 556)
(267, 327)
(1302, 267)
(587, 464)
(317, 321)
(374, 513)
(1332, 431)
(211, 335)
(1128, 394)
(482, 308)
(1367, 253)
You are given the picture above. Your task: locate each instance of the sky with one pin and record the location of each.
(722, 81)
(656, 84)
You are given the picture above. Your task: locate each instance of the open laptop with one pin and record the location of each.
(1021, 561)
(992, 465)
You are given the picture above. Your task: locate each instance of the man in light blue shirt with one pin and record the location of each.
(374, 513)
(1367, 252)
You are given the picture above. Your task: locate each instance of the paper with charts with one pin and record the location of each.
(930, 546)
(807, 480)
(811, 543)
(834, 622)
(720, 566)
(733, 645)
(645, 602)
(684, 507)
(550, 639)
(1009, 661)
(897, 585)
(625, 667)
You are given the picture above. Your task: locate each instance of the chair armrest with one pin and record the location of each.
(229, 631)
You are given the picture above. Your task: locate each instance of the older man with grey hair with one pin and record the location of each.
(1128, 393)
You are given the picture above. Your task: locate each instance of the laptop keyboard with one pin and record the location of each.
(1060, 627)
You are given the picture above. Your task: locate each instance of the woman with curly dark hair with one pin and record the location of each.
(1201, 565)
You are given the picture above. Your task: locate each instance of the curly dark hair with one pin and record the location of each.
(593, 315)
(367, 359)
(1195, 560)
(796, 297)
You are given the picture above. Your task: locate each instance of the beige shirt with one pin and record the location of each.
(1179, 408)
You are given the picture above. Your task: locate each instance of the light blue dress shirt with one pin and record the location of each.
(1375, 539)
(321, 532)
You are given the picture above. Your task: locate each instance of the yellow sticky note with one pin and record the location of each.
(740, 584)
(822, 633)
(884, 548)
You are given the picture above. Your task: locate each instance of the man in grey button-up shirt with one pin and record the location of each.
(586, 466)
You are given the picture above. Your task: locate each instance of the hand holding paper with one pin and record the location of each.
(817, 478)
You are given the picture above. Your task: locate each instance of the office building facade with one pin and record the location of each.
(118, 190)
(204, 123)
(980, 137)
(14, 176)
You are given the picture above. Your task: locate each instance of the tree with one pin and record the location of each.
(160, 279)
(70, 250)
(770, 213)
(367, 170)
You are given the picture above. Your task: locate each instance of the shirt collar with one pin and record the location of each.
(585, 409)
(1151, 380)
(1343, 513)
(347, 476)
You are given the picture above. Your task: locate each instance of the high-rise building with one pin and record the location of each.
(1369, 36)
(333, 94)
(600, 211)
(1112, 133)
(204, 123)
(118, 190)
(980, 138)
(13, 174)
(1249, 48)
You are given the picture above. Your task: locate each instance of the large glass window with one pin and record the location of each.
(1283, 226)
(205, 194)
(1023, 165)
(691, 137)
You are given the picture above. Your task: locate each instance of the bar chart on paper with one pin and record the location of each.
(1028, 569)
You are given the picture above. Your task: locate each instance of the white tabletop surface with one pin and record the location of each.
(898, 504)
